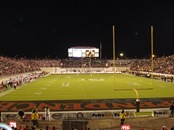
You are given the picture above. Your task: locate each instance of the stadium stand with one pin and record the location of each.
(29, 69)
(163, 65)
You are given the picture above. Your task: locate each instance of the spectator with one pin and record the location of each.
(47, 128)
(164, 128)
(20, 128)
(54, 128)
(171, 110)
(47, 113)
(122, 117)
(26, 127)
(34, 118)
(14, 86)
(171, 79)
(21, 114)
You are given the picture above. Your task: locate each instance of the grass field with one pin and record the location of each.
(87, 86)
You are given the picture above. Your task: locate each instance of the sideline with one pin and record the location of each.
(4, 92)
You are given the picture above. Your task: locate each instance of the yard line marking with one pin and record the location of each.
(68, 77)
(65, 84)
(38, 93)
(133, 83)
(100, 79)
(8, 91)
(162, 86)
(126, 89)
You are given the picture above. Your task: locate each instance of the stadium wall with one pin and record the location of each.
(85, 115)
(58, 70)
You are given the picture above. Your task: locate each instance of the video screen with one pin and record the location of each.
(83, 52)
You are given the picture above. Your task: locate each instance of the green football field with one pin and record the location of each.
(89, 86)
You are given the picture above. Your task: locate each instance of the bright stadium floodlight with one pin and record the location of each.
(121, 54)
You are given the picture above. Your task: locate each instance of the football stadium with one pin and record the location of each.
(87, 92)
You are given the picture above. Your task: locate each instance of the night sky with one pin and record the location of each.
(31, 28)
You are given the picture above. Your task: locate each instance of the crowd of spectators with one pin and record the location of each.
(11, 66)
(84, 62)
(47, 62)
(162, 65)
(93, 62)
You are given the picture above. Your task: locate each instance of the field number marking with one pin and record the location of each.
(96, 79)
(38, 93)
(65, 84)
(134, 83)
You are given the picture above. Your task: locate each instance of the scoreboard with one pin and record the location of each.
(83, 52)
